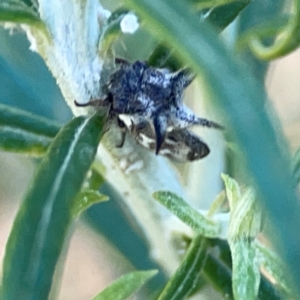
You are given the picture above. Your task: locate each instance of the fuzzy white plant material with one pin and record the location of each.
(129, 23)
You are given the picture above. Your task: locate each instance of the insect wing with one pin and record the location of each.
(183, 145)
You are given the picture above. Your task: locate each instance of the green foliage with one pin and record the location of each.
(287, 40)
(244, 226)
(220, 17)
(42, 222)
(122, 288)
(66, 182)
(85, 199)
(274, 266)
(24, 132)
(187, 275)
(211, 4)
(18, 12)
(219, 276)
(198, 45)
(187, 214)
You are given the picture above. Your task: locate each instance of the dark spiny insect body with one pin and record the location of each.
(147, 103)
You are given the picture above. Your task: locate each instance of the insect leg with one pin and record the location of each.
(160, 127)
(207, 123)
(183, 78)
(98, 102)
(123, 137)
(121, 61)
(123, 134)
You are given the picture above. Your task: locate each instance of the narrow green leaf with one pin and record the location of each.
(187, 275)
(41, 225)
(270, 29)
(244, 226)
(95, 179)
(245, 214)
(244, 102)
(274, 266)
(85, 199)
(187, 214)
(18, 12)
(255, 14)
(20, 141)
(24, 132)
(217, 204)
(245, 268)
(258, 12)
(17, 118)
(219, 276)
(163, 57)
(223, 250)
(267, 290)
(287, 40)
(122, 288)
(220, 17)
(201, 4)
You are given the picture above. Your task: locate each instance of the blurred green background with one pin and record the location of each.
(105, 229)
